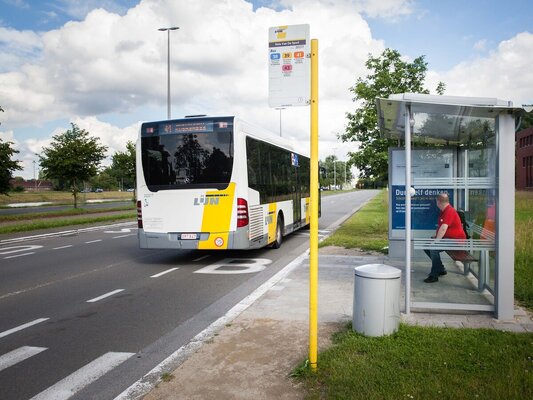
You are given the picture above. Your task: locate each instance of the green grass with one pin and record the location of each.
(366, 230)
(58, 222)
(524, 249)
(424, 363)
(60, 197)
(64, 213)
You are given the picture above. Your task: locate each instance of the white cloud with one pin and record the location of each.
(480, 45)
(504, 73)
(18, 48)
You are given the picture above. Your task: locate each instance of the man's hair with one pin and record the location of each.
(443, 197)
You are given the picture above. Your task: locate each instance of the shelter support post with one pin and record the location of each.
(505, 211)
(407, 209)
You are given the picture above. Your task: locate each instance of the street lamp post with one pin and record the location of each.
(334, 169)
(34, 181)
(173, 28)
(280, 108)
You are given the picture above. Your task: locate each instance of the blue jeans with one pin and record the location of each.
(436, 263)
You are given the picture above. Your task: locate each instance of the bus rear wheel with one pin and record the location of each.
(279, 234)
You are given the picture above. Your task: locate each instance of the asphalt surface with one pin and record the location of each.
(85, 316)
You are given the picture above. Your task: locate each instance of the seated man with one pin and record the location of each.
(449, 227)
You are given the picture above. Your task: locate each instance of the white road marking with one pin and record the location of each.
(94, 241)
(19, 355)
(20, 255)
(163, 273)
(62, 247)
(76, 381)
(235, 266)
(123, 230)
(18, 249)
(201, 258)
(105, 295)
(121, 236)
(21, 327)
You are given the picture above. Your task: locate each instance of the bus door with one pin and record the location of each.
(296, 192)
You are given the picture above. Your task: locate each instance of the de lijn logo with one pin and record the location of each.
(208, 200)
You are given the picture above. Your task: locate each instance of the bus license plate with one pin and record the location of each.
(189, 236)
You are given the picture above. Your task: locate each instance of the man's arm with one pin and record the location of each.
(442, 231)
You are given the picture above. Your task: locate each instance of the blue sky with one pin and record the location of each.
(107, 71)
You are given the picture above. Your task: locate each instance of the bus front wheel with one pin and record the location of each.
(279, 234)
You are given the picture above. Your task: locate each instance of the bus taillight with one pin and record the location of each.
(242, 212)
(139, 215)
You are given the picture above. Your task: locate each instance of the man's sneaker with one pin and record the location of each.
(431, 279)
(442, 273)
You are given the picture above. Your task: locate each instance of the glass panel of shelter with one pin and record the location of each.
(473, 189)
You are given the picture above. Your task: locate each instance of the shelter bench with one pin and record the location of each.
(461, 250)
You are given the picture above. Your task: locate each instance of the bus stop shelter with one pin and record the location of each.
(464, 146)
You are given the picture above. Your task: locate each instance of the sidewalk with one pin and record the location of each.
(252, 357)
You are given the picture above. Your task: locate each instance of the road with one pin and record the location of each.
(86, 316)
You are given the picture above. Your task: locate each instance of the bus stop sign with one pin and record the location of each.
(289, 66)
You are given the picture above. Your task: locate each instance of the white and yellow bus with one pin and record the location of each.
(218, 183)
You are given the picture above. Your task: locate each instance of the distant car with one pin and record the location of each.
(84, 191)
(98, 190)
(130, 190)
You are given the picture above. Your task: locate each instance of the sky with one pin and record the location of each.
(102, 64)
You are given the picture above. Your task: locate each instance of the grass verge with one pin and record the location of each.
(523, 248)
(424, 363)
(60, 197)
(65, 213)
(60, 222)
(366, 230)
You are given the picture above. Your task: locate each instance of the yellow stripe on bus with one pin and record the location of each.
(272, 221)
(217, 217)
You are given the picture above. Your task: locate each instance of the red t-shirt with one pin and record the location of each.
(450, 217)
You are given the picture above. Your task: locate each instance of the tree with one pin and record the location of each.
(334, 171)
(123, 165)
(72, 158)
(389, 74)
(104, 180)
(7, 165)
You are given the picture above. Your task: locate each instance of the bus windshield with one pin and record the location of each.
(189, 153)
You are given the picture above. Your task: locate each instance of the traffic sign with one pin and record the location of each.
(289, 66)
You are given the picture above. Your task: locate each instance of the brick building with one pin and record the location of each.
(524, 159)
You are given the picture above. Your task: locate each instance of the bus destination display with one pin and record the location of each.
(185, 127)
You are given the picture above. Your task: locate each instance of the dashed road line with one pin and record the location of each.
(105, 296)
(62, 247)
(19, 355)
(76, 381)
(21, 327)
(164, 273)
(123, 236)
(20, 255)
(93, 241)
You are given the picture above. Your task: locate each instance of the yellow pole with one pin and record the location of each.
(313, 241)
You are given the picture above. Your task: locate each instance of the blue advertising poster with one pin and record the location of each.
(424, 210)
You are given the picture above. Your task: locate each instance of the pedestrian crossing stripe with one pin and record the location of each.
(81, 378)
(19, 355)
